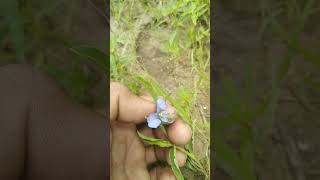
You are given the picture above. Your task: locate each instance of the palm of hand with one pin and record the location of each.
(129, 156)
(127, 153)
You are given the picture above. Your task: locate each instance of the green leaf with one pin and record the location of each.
(192, 161)
(94, 54)
(310, 55)
(247, 152)
(10, 10)
(154, 141)
(174, 163)
(75, 82)
(232, 163)
(190, 164)
(153, 88)
(113, 67)
(47, 8)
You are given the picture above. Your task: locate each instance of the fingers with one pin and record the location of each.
(162, 173)
(147, 97)
(163, 155)
(150, 155)
(181, 158)
(127, 107)
(154, 154)
(146, 131)
(179, 132)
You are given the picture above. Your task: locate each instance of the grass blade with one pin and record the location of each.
(153, 141)
(174, 163)
(93, 54)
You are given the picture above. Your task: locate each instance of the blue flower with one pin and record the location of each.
(165, 114)
(161, 104)
(153, 121)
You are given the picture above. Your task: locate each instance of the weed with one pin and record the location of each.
(178, 16)
(239, 110)
(31, 34)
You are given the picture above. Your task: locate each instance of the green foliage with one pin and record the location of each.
(28, 27)
(178, 17)
(174, 164)
(192, 160)
(239, 108)
(93, 55)
(153, 141)
(9, 11)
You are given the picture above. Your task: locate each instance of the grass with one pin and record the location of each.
(189, 41)
(239, 108)
(30, 33)
(26, 35)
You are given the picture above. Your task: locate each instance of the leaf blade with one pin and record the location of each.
(154, 141)
(174, 164)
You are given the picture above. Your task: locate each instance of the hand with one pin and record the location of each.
(129, 156)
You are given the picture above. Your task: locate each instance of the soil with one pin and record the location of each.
(291, 152)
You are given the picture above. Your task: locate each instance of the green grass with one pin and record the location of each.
(286, 20)
(189, 21)
(31, 33)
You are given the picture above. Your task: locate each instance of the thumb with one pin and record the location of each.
(127, 107)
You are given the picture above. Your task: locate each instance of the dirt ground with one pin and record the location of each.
(292, 151)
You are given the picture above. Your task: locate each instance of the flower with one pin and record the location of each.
(165, 114)
(161, 104)
(153, 121)
(168, 115)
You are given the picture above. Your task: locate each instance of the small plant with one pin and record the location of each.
(180, 46)
(239, 109)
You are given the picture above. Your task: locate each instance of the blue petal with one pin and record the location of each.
(153, 121)
(161, 104)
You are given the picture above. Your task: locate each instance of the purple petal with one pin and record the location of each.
(161, 104)
(153, 121)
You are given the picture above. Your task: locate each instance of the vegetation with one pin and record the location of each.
(188, 22)
(30, 32)
(242, 108)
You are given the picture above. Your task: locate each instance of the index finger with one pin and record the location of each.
(127, 107)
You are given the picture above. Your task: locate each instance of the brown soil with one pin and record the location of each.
(292, 150)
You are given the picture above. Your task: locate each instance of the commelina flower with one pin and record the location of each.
(165, 114)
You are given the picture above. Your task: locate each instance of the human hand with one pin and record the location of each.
(129, 156)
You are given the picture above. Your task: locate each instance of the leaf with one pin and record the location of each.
(47, 8)
(192, 161)
(73, 80)
(10, 10)
(190, 164)
(247, 151)
(227, 158)
(153, 88)
(94, 54)
(113, 67)
(174, 163)
(153, 141)
(311, 56)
